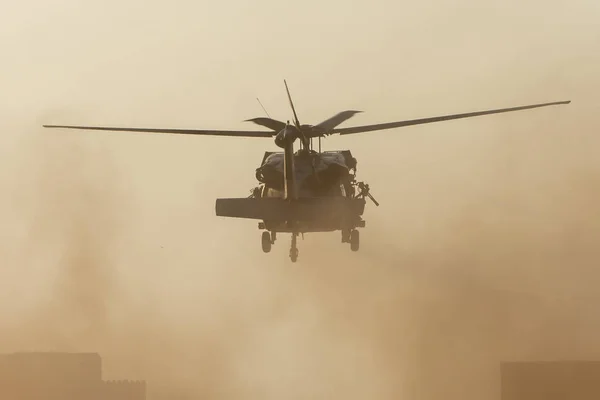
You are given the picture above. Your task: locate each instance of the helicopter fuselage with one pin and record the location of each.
(325, 196)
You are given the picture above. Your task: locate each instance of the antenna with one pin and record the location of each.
(264, 109)
(292, 105)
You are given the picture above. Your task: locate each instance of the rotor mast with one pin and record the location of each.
(305, 141)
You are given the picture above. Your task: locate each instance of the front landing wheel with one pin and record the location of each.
(266, 242)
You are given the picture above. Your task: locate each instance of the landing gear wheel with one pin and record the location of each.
(354, 240)
(345, 235)
(266, 242)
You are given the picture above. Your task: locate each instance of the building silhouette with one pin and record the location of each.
(557, 380)
(61, 376)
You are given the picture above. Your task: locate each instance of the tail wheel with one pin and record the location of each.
(294, 255)
(294, 248)
(266, 242)
(354, 240)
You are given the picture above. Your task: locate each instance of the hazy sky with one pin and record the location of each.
(134, 214)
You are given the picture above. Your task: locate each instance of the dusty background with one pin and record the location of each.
(484, 248)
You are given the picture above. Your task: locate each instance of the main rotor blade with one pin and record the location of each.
(292, 105)
(334, 121)
(391, 125)
(172, 131)
(268, 123)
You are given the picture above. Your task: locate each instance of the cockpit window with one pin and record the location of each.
(270, 192)
(337, 190)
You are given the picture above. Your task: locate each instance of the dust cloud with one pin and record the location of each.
(511, 274)
(484, 249)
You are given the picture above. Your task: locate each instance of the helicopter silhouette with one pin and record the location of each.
(307, 190)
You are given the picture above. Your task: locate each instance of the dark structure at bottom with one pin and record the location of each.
(558, 380)
(64, 376)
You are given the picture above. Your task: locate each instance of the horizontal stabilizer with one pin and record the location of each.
(249, 208)
(277, 209)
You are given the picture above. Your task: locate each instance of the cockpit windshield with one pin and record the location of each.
(270, 192)
(336, 189)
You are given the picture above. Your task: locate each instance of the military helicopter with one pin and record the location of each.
(307, 190)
